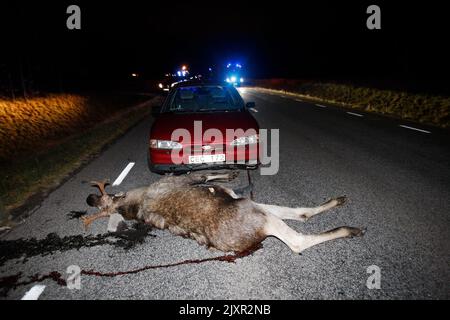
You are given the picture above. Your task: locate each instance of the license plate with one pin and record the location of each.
(207, 158)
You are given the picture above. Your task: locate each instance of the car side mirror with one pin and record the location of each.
(250, 104)
(156, 110)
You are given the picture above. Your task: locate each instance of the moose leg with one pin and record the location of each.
(300, 214)
(298, 242)
(197, 177)
(224, 177)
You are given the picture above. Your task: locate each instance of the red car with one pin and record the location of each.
(203, 126)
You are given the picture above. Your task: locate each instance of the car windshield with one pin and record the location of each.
(211, 98)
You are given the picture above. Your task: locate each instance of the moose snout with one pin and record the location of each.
(93, 200)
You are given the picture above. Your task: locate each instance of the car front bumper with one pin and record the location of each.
(183, 168)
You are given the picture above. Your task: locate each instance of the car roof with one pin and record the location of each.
(198, 83)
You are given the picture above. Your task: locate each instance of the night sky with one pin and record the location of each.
(302, 39)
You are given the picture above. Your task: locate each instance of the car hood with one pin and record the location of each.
(166, 123)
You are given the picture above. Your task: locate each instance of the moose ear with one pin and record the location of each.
(118, 196)
(93, 200)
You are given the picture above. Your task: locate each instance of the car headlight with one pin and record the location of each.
(164, 144)
(160, 85)
(227, 80)
(242, 141)
(233, 79)
(241, 80)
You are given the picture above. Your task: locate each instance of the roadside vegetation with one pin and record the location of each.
(44, 139)
(422, 108)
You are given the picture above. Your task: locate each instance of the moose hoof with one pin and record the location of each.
(233, 175)
(356, 232)
(340, 200)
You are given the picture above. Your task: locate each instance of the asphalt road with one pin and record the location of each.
(397, 181)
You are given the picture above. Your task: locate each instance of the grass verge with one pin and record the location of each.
(25, 178)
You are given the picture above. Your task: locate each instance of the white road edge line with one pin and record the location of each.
(34, 292)
(320, 106)
(298, 100)
(416, 129)
(355, 114)
(123, 174)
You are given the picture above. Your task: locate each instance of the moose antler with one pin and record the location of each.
(104, 204)
(101, 185)
(87, 220)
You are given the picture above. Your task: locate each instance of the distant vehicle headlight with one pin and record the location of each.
(160, 85)
(233, 79)
(164, 144)
(242, 141)
(227, 79)
(241, 79)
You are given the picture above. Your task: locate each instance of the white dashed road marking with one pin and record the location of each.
(350, 113)
(123, 174)
(355, 114)
(34, 293)
(416, 129)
